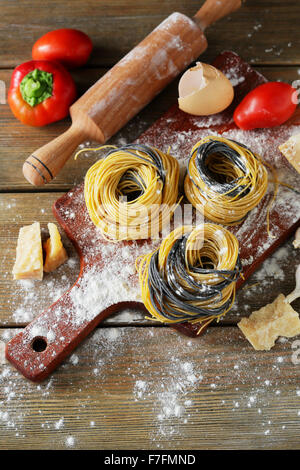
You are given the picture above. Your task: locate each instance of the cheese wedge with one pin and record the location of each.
(29, 259)
(264, 326)
(55, 251)
(291, 150)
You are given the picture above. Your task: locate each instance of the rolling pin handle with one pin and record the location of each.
(46, 162)
(214, 10)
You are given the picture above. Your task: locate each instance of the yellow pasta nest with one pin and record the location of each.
(225, 180)
(132, 192)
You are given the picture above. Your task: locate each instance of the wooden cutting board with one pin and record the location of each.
(107, 281)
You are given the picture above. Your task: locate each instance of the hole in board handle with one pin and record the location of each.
(39, 344)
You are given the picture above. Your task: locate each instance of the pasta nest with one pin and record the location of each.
(192, 275)
(132, 192)
(225, 180)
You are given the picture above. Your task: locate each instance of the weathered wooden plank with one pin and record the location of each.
(20, 302)
(121, 389)
(117, 26)
(18, 141)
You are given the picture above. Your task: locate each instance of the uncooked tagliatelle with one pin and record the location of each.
(132, 192)
(224, 180)
(192, 276)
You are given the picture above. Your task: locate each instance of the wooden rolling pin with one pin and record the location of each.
(131, 84)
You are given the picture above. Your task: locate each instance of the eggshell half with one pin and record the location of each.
(204, 90)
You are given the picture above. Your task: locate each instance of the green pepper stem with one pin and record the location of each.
(36, 87)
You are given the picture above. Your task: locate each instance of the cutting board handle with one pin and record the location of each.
(214, 10)
(40, 347)
(46, 162)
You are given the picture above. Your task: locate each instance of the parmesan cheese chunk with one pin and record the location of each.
(29, 259)
(55, 251)
(264, 326)
(291, 150)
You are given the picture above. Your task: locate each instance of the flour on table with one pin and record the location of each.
(70, 441)
(166, 389)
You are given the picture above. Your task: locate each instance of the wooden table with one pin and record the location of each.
(134, 385)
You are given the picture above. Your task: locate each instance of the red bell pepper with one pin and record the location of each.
(41, 92)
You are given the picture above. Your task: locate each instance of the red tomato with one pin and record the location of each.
(70, 47)
(268, 105)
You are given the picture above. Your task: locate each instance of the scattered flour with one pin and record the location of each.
(166, 390)
(59, 424)
(70, 441)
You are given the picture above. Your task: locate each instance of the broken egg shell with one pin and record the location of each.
(204, 90)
